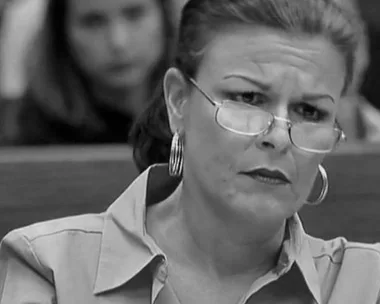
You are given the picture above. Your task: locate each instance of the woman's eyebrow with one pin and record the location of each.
(262, 85)
(316, 97)
(266, 87)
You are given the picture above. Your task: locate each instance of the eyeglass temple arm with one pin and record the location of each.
(195, 84)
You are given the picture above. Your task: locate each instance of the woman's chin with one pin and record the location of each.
(261, 210)
(265, 200)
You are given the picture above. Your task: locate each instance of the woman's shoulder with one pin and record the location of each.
(24, 121)
(349, 271)
(53, 257)
(21, 121)
(48, 245)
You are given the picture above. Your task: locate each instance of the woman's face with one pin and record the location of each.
(299, 79)
(116, 43)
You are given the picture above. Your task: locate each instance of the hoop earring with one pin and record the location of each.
(176, 156)
(325, 187)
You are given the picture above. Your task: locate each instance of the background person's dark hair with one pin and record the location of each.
(202, 20)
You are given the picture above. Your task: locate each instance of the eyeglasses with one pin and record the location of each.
(249, 120)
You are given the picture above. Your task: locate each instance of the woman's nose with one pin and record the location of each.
(277, 137)
(118, 35)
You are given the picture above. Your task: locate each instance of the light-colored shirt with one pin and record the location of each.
(109, 258)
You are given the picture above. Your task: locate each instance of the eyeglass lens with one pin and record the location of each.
(246, 119)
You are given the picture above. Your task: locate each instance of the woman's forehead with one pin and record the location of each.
(269, 53)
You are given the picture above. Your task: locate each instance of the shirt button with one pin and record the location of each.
(284, 259)
(283, 263)
(162, 275)
(162, 272)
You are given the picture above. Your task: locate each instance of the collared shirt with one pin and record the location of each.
(110, 258)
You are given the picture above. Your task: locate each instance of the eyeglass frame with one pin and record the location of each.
(341, 137)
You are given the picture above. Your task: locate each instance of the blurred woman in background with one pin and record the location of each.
(91, 69)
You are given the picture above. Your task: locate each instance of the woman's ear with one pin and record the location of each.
(176, 96)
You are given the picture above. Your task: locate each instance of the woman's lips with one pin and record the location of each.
(266, 176)
(119, 67)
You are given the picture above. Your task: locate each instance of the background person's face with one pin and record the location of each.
(282, 69)
(116, 42)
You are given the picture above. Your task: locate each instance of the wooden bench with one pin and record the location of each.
(43, 183)
(352, 206)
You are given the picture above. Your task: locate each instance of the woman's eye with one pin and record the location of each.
(134, 13)
(92, 21)
(311, 113)
(252, 98)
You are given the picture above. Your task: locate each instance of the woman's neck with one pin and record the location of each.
(221, 248)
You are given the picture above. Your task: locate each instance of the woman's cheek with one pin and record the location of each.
(307, 169)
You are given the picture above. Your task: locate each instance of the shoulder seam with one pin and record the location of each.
(365, 248)
(63, 230)
(347, 248)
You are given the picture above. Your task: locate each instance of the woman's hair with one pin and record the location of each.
(202, 20)
(56, 84)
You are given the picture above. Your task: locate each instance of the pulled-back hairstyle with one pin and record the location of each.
(203, 19)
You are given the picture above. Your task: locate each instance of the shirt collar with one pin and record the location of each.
(127, 249)
(296, 250)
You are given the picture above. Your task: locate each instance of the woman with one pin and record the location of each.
(91, 70)
(252, 106)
